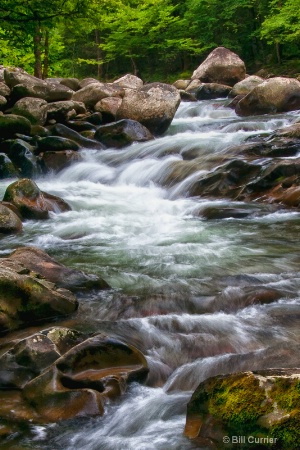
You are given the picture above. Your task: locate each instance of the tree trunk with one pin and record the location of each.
(37, 51)
(46, 55)
(99, 55)
(134, 67)
(278, 52)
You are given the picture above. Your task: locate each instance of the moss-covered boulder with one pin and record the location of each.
(31, 201)
(252, 409)
(10, 124)
(31, 108)
(7, 169)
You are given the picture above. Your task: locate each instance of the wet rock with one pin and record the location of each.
(80, 382)
(38, 261)
(221, 66)
(66, 132)
(258, 405)
(7, 169)
(108, 107)
(64, 110)
(193, 86)
(31, 108)
(55, 144)
(187, 97)
(25, 360)
(227, 180)
(154, 106)
(209, 91)
(26, 298)
(21, 155)
(81, 125)
(293, 131)
(122, 133)
(245, 86)
(10, 223)
(12, 124)
(272, 96)
(92, 93)
(269, 147)
(57, 161)
(129, 81)
(63, 338)
(31, 201)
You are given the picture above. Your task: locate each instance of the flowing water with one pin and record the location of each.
(185, 289)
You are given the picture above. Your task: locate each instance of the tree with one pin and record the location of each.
(35, 18)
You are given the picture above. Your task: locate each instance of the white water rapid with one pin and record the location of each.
(183, 286)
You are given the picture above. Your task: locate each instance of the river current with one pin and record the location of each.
(182, 286)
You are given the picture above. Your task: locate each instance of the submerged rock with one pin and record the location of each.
(262, 407)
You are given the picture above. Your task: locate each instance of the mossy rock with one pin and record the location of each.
(11, 124)
(9, 221)
(261, 407)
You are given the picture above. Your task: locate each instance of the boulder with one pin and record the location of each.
(46, 91)
(21, 155)
(4, 90)
(16, 76)
(57, 161)
(108, 108)
(31, 202)
(31, 108)
(72, 83)
(25, 360)
(81, 125)
(66, 132)
(245, 86)
(3, 102)
(26, 298)
(221, 66)
(55, 144)
(87, 81)
(11, 124)
(7, 169)
(181, 84)
(41, 263)
(129, 81)
(122, 133)
(262, 408)
(154, 106)
(209, 91)
(62, 111)
(9, 221)
(84, 378)
(193, 86)
(272, 96)
(92, 93)
(292, 131)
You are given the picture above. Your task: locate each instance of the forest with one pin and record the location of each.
(155, 39)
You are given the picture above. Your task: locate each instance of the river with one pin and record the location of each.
(184, 287)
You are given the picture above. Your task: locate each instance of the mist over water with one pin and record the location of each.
(186, 291)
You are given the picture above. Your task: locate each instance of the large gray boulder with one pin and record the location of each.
(221, 66)
(245, 86)
(62, 111)
(154, 106)
(275, 95)
(129, 81)
(93, 92)
(31, 108)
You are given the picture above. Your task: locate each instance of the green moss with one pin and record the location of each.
(286, 392)
(287, 432)
(238, 401)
